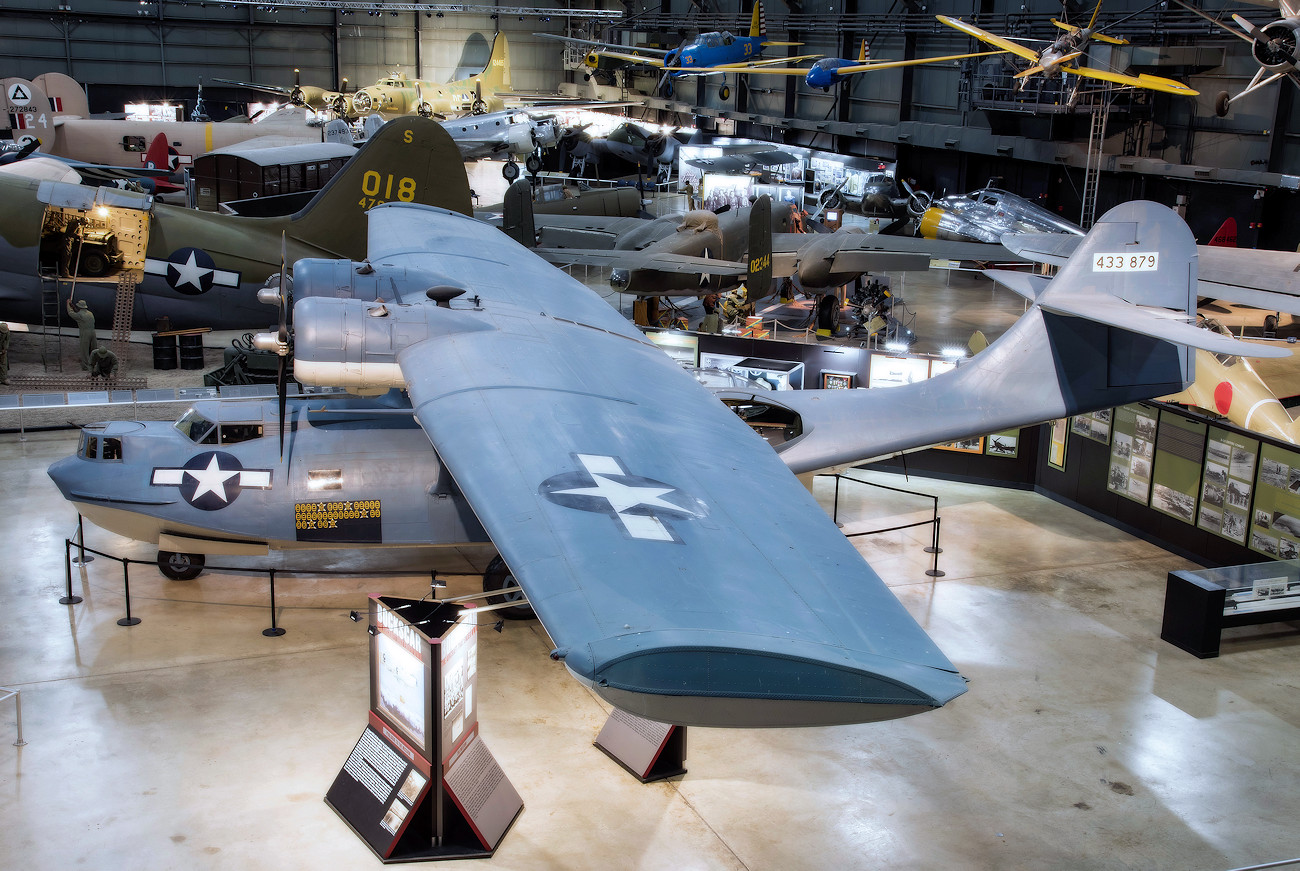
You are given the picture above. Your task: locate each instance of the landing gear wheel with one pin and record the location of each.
(498, 577)
(93, 264)
(1221, 104)
(180, 566)
(510, 170)
(533, 163)
(724, 92)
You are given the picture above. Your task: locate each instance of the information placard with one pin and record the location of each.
(1227, 483)
(381, 782)
(1275, 523)
(1131, 451)
(1180, 451)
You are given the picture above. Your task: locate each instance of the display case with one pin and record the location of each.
(1199, 605)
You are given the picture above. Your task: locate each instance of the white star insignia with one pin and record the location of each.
(621, 497)
(212, 479)
(191, 273)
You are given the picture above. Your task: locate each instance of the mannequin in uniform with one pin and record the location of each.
(85, 321)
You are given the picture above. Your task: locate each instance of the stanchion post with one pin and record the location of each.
(81, 559)
(68, 598)
(274, 631)
(835, 509)
(128, 620)
(18, 710)
(934, 539)
(936, 572)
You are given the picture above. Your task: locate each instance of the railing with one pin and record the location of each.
(933, 522)
(16, 695)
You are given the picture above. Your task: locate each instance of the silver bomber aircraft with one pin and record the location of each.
(681, 582)
(199, 269)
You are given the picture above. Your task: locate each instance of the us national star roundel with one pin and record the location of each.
(640, 505)
(212, 480)
(191, 271)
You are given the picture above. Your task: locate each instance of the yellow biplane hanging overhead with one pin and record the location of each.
(1060, 56)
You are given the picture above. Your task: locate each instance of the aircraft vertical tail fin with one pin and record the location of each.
(66, 96)
(496, 75)
(517, 218)
(864, 53)
(759, 279)
(157, 157)
(410, 160)
(757, 21)
(1226, 235)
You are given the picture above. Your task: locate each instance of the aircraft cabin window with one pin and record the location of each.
(197, 428)
(112, 449)
(91, 448)
(234, 433)
(134, 143)
(324, 479)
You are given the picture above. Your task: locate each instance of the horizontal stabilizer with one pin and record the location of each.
(1051, 248)
(1026, 284)
(1158, 323)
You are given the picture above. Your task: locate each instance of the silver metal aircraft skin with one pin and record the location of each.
(506, 135)
(984, 215)
(684, 583)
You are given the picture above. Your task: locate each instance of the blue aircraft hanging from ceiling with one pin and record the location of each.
(830, 71)
(710, 54)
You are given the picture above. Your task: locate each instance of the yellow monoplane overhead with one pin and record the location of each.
(1060, 55)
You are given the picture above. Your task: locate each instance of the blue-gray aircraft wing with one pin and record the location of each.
(678, 566)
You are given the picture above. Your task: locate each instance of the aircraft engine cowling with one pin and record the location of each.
(521, 138)
(1279, 53)
(343, 279)
(352, 343)
(937, 223)
(362, 102)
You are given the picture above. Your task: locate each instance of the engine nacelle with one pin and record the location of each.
(1279, 53)
(520, 137)
(936, 223)
(344, 279)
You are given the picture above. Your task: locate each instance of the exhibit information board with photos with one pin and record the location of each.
(1095, 426)
(1176, 480)
(1003, 444)
(1226, 484)
(1132, 450)
(1058, 431)
(1275, 523)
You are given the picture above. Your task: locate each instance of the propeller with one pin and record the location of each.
(479, 107)
(423, 109)
(917, 201)
(296, 96)
(279, 342)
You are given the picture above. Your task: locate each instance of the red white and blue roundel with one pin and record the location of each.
(191, 271)
(212, 480)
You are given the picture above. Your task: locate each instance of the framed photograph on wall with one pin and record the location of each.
(837, 380)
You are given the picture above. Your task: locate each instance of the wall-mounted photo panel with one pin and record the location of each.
(1003, 444)
(966, 446)
(1095, 426)
(1132, 448)
(1227, 483)
(1180, 453)
(1275, 517)
(1056, 443)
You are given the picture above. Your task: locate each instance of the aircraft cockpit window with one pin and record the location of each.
(324, 479)
(234, 433)
(727, 38)
(90, 447)
(197, 428)
(94, 447)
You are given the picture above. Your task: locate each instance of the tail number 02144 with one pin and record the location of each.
(377, 188)
(1126, 262)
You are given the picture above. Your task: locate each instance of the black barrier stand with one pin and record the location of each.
(68, 598)
(274, 631)
(128, 620)
(81, 559)
(933, 522)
